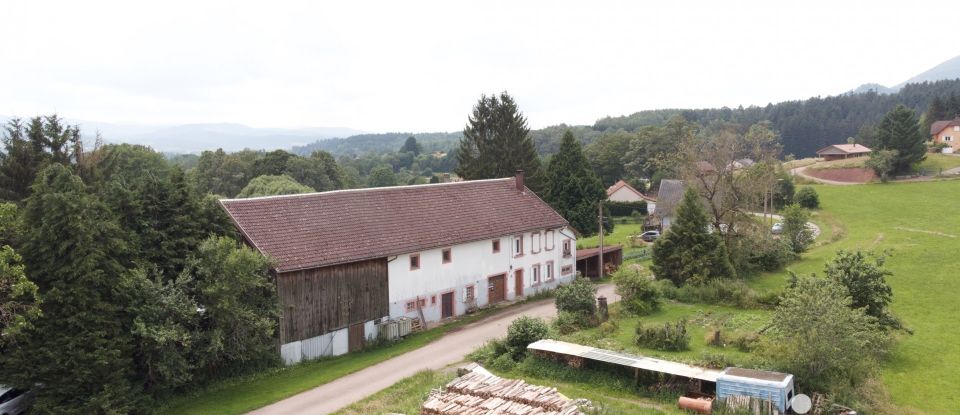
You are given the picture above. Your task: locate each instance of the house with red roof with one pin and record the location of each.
(843, 151)
(622, 191)
(947, 133)
(347, 261)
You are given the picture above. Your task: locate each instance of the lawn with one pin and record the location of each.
(914, 221)
(622, 233)
(404, 397)
(237, 396)
(701, 319)
(936, 162)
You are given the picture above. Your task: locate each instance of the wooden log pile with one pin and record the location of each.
(479, 394)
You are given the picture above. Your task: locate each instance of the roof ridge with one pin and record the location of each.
(365, 189)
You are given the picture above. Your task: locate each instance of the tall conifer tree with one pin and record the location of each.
(900, 131)
(80, 348)
(572, 188)
(496, 143)
(687, 252)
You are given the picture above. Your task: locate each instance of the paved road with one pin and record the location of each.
(443, 352)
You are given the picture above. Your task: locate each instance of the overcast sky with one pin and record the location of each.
(420, 66)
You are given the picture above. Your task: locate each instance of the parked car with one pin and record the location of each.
(15, 401)
(777, 228)
(650, 236)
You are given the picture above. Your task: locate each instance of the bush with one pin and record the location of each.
(523, 331)
(669, 337)
(727, 292)
(504, 363)
(609, 327)
(577, 297)
(638, 293)
(773, 255)
(807, 197)
(489, 352)
(568, 322)
(745, 342)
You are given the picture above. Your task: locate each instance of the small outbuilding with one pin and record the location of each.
(775, 387)
(842, 151)
(587, 260)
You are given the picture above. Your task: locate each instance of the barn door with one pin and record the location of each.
(446, 305)
(518, 282)
(497, 288)
(356, 337)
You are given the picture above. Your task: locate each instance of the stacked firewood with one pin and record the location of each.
(479, 394)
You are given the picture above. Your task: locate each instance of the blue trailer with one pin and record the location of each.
(772, 386)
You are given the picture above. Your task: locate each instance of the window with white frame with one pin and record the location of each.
(535, 242)
(947, 138)
(518, 245)
(535, 271)
(956, 128)
(549, 271)
(548, 241)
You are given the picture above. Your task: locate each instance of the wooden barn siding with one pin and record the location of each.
(320, 300)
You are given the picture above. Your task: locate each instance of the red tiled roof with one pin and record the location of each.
(846, 148)
(620, 184)
(320, 229)
(939, 126)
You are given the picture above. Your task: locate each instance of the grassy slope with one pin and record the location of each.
(922, 371)
(237, 396)
(935, 162)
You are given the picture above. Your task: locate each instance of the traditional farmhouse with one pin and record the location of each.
(842, 151)
(948, 133)
(622, 191)
(668, 197)
(347, 260)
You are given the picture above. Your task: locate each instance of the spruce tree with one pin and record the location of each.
(496, 143)
(79, 349)
(572, 187)
(900, 131)
(687, 252)
(18, 163)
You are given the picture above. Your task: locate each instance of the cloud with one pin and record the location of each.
(420, 66)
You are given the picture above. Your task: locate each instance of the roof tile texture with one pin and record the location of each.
(320, 229)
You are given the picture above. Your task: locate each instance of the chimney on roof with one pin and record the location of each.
(519, 180)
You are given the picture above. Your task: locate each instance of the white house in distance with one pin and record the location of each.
(348, 260)
(622, 191)
(669, 195)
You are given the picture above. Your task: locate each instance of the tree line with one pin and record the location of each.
(120, 282)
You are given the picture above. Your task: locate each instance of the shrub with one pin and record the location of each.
(568, 322)
(609, 327)
(669, 337)
(728, 292)
(773, 255)
(807, 197)
(577, 297)
(503, 363)
(523, 331)
(487, 353)
(795, 230)
(638, 293)
(745, 342)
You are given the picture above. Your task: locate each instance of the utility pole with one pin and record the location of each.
(600, 221)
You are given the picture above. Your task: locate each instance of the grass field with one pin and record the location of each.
(404, 397)
(237, 396)
(935, 162)
(917, 221)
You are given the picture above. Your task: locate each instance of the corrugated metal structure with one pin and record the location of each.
(623, 359)
(771, 386)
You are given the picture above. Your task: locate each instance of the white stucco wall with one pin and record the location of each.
(624, 195)
(472, 264)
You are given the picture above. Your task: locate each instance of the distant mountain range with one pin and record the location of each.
(194, 138)
(946, 70)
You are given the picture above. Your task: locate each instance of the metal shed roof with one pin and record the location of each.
(623, 359)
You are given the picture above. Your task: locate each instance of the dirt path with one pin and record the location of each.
(445, 351)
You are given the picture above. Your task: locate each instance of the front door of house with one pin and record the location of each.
(497, 288)
(446, 305)
(518, 276)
